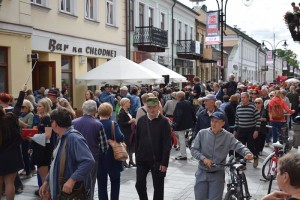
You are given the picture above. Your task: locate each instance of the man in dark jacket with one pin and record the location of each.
(203, 119)
(230, 86)
(152, 149)
(184, 118)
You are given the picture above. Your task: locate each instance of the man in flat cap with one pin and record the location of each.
(210, 178)
(153, 146)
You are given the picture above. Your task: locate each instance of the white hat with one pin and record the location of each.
(124, 88)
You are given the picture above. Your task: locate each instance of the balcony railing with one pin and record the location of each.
(189, 49)
(149, 35)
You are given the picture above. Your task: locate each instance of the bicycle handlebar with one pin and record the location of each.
(230, 162)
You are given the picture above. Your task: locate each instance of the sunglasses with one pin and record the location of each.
(257, 102)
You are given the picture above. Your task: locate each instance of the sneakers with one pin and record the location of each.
(255, 163)
(180, 158)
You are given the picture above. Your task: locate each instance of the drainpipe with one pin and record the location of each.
(242, 59)
(175, 1)
(128, 25)
(257, 65)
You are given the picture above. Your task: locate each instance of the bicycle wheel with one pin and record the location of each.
(245, 186)
(231, 195)
(267, 169)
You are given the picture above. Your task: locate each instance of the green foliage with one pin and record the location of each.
(289, 56)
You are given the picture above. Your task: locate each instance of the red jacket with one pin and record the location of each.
(282, 103)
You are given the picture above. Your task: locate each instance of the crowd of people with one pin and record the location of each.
(231, 115)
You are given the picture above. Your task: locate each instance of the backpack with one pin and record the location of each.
(277, 112)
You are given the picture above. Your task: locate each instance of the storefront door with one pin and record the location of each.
(43, 75)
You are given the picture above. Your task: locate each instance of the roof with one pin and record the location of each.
(190, 9)
(240, 33)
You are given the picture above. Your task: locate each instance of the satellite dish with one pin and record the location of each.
(247, 2)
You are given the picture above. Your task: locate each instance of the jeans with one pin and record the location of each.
(102, 183)
(275, 127)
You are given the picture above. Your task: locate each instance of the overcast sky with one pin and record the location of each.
(260, 20)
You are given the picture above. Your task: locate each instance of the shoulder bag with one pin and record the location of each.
(119, 148)
(78, 192)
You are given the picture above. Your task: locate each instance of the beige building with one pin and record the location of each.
(70, 38)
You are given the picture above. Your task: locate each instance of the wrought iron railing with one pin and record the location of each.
(149, 35)
(189, 47)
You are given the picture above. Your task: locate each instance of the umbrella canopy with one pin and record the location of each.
(120, 70)
(292, 80)
(162, 70)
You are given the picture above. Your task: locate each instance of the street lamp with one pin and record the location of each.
(222, 21)
(274, 47)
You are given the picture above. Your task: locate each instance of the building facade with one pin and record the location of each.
(163, 31)
(70, 38)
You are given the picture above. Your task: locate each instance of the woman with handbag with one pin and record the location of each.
(125, 121)
(109, 165)
(69, 176)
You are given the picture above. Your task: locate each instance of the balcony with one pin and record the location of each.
(189, 49)
(150, 39)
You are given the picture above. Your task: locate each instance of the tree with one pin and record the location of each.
(290, 57)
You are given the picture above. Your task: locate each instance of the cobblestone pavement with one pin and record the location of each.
(179, 181)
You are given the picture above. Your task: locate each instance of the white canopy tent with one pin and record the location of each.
(120, 71)
(162, 70)
(292, 80)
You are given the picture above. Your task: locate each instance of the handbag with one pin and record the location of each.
(78, 192)
(119, 148)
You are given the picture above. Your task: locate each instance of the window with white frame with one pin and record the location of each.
(162, 21)
(141, 14)
(179, 30)
(91, 11)
(131, 12)
(150, 16)
(110, 12)
(39, 2)
(185, 31)
(67, 6)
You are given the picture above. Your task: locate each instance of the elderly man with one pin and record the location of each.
(72, 154)
(153, 146)
(212, 146)
(93, 131)
(183, 119)
(247, 125)
(109, 97)
(230, 86)
(203, 119)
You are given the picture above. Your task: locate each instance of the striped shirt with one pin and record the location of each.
(247, 117)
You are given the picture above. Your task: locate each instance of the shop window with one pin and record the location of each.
(39, 2)
(3, 69)
(66, 75)
(91, 11)
(110, 12)
(67, 6)
(91, 64)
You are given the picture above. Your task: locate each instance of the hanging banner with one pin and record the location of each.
(291, 69)
(269, 58)
(284, 65)
(212, 28)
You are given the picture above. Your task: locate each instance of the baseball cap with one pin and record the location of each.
(52, 92)
(152, 101)
(124, 88)
(210, 97)
(218, 115)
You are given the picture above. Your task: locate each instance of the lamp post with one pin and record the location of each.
(274, 47)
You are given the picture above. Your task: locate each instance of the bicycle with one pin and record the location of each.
(237, 186)
(281, 147)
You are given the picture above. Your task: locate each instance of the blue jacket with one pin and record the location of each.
(79, 161)
(135, 104)
(109, 98)
(203, 121)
